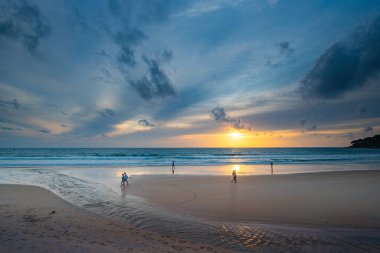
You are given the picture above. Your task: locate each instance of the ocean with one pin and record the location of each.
(90, 178)
(103, 157)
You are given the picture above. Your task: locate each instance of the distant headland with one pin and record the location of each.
(369, 142)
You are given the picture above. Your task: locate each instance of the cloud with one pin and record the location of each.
(167, 55)
(145, 123)
(346, 65)
(219, 115)
(312, 128)
(368, 129)
(361, 109)
(22, 22)
(15, 104)
(44, 131)
(200, 8)
(134, 14)
(156, 85)
(284, 53)
(7, 128)
(106, 113)
(285, 47)
(301, 122)
(127, 41)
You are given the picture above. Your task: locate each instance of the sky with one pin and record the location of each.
(216, 73)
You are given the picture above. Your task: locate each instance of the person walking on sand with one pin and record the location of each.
(234, 176)
(124, 179)
(173, 167)
(271, 167)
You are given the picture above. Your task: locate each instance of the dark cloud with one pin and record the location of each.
(219, 115)
(14, 104)
(156, 85)
(167, 55)
(145, 123)
(312, 128)
(134, 14)
(285, 47)
(106, 73)
(106, 113)
(22, 22)
(283, 55)
(346, 65)
(7, 128)
(127, 42)
(368, 129)
(361, 109)
(301, 122)
(103, 53)
(80, 19)
(44, 131)
(63, 125)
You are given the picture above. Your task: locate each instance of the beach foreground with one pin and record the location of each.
(311, 212)
(34, 219)
(347, 198)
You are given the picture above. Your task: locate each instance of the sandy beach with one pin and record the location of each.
(34, 219)
(310, 212)
(328, 198)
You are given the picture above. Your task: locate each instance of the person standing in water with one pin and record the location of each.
(173, 167)
(271, 167)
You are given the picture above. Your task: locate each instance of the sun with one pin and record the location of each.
(236, 135)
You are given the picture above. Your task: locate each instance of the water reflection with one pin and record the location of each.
(123, 189)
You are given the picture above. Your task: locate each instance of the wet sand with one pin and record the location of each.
(34, 219)
(348, 198)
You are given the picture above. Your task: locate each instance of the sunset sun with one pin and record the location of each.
(236, 135)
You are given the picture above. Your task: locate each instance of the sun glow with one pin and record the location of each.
(236, 135)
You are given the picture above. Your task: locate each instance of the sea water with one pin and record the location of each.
(90, 178)
(95, 157)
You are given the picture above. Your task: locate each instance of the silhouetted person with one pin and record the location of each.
(234, 176)
(173, 167)
(271, 167)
